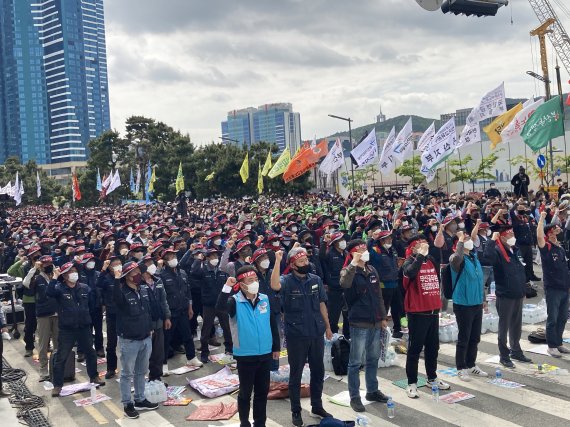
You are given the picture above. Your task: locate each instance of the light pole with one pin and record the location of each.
(225, 138)
(349, 120)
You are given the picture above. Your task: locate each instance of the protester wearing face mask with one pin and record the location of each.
(384, 259)
(160, 315)
(492, 191)
(260, 259)
(468, 296)
(134, 326)
(556, 285)
(106, 283)
(523, 227)
(510, 282)
(74, 323)
(480, 241)
(444, 242)
(178, 296)
(46, 313)
(332, 254)
(89, 275)
(212, 278)
(256, 339)
(306, 320)
(241, 254)
(367, 314)
(422, 304)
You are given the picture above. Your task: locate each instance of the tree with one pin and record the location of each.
(412, 169)
(463, 172)
(27, 173)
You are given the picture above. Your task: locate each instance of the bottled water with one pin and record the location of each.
(390, 405)
(435, 393)
(93, 393)
(492, 288)
(498, 374)
(362, 420)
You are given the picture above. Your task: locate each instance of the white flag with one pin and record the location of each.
(404, 145)
(107, 180)
(38, 184)
(442, 146)
(428, 173)
(7, 189)
(426, 138)
(491, 105)
(366, 152)
(17, 195)
(469, 135)
(333, 160)
(515, 127)
(387, 161)
(115, 182)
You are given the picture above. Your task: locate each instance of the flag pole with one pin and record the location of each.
(510, 165)
(461, 169)
(484, 179)
(413, 170)
(447, 175)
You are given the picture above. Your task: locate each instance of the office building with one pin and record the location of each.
(273, 123)
(54, 93)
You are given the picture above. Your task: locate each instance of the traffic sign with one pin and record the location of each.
(558, 172)
(540, 161)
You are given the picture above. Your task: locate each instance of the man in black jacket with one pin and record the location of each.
(74, 323)
(520, 183)
(510, 290)
(134, 326)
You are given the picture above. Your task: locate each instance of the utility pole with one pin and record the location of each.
(541, 33)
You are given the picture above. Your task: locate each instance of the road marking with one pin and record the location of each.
(96, 415)
(113, 408)
(146, 419)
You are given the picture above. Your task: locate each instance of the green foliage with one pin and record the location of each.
(462, 171)
(361, 177)
(27, 173)
(412, 169)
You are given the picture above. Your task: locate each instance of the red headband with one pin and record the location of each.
(246, 275)
(502, 233)
(357, 248)
(298, 255)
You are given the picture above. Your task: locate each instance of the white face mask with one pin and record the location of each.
(253, 288)
(218, 242)
(294, 229)
(73, 277)
(264, 264)
(434, 228)
(388, 245)
(365, 256)
(489, 232)
(461, 226)
(118, 268)
(248, 227)
(151, 269)
(342, 245)
(90, 265)
(173, 263)
(214, 262)
(511, 241)
(275, 244)
(468, 245)
(124, 251)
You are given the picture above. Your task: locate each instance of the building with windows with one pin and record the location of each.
(273, 123)
(54, 93)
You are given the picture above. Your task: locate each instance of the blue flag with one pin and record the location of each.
(99, 185)
(132, 182)
(148, 175)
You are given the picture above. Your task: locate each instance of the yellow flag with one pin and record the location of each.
(210, 177)
(281, 164)
(494, 129)
(267, 165)
(152, 180)
(260, 180)
(179, 180)
(244, 170)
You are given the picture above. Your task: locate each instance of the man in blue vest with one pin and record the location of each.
(255, 340)
(306, 320)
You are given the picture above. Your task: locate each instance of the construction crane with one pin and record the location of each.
(556, 32)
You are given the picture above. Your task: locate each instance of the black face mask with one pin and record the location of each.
(521, 212)
(304, 269)
(48, 269)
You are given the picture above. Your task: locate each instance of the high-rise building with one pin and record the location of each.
(54, 93)
(273, 123)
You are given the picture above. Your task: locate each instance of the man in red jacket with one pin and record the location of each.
(422, 303)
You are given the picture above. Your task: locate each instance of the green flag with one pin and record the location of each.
(546, 123)
(179, 180)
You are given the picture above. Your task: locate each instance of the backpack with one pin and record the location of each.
(529, 291)
(447, 282)
(340, 352)
(538, 336)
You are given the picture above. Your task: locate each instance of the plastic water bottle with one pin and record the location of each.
(362, 420)
(435, 393)
(498, 374)
(93, 393)
(390, 405)
(492, 288)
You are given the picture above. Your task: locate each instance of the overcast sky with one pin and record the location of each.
(189, 62)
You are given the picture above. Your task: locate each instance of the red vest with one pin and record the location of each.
(422, 292)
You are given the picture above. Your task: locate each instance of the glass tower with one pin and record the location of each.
(54, 93)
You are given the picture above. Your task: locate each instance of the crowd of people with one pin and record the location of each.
(292, 267)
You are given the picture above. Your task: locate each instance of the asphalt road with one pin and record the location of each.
(543, 401)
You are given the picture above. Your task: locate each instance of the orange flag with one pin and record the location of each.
(305, 160)
(76, 191)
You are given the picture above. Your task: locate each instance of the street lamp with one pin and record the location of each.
(225, 138)
(349, 120)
